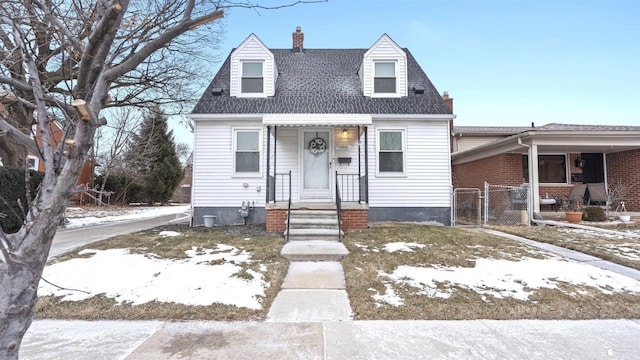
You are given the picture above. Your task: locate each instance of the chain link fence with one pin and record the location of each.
(467, 209)
(506, 205)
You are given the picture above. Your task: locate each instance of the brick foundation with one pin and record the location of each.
(355, 220)
(276, 220)
(352, 220)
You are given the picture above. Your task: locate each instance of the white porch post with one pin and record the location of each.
(533, 177)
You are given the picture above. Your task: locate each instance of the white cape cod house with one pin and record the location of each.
(360, 131)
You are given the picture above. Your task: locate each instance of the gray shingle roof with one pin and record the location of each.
(506, 130)
(322, 81)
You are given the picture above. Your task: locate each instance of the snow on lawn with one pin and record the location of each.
(503, 278)
(619, 246)
(78, 217)
(169, 233)
(207, 276)
(402, 246)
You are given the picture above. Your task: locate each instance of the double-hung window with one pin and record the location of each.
(247, 151)
(391, 151)
(252, 77)
(552, 169)
(384, 80)
(33, 162)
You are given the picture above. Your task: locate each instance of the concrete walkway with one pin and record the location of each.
(312, 292)
(572, 254)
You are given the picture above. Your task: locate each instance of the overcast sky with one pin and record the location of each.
(505, 63)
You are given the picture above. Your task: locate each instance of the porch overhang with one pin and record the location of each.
(553, 142)
(317, 119)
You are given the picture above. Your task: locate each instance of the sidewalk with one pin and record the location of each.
(481, 339)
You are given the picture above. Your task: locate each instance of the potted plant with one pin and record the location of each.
(573, 211)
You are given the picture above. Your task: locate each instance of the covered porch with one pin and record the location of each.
(554, 159)
(317, 162)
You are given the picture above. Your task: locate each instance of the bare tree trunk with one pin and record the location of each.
(20, 274)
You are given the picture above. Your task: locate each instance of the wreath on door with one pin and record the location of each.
(317, 146)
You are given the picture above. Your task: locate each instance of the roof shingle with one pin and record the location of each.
(322, 81)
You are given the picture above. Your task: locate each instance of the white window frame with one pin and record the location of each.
(373, 78)
(36, 162)
(403, 132)
(252, 94)
(234, 139)
(567, 173)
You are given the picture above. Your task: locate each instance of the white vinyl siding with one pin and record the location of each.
(252, 50)
(469, 142)
(286, 153)
(214, 181)
(384, 51)
(427, 182)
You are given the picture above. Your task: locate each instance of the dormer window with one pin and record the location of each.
(252, 77)
(384, 81)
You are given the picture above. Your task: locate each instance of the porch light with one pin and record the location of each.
(345, 134)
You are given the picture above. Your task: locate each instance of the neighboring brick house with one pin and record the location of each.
(566, 155)
(33, 160)
(308, 124)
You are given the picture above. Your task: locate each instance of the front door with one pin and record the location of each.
(316, 181)
(593, 170)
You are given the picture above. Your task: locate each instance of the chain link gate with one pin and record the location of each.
(467, 207)
(506, 205)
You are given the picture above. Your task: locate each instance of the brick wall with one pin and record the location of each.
(276, 220)
(624, 167)
(354, 220)
(503, 169)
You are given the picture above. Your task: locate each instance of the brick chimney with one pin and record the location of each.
(447, 100)
(298, 40)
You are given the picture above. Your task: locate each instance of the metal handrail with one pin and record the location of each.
(351, 187)
(339, 208)
(289, 210)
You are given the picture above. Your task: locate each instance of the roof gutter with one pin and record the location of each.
(222, 117)
(413, 116)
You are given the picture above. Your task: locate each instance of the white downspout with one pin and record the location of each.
(533, 175)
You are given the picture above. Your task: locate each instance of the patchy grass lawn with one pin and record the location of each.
(243, 254)
(407, 271)
(393, 271)
(618, 249)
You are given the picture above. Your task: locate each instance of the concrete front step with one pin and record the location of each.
(325, 214)
(313, 223)
(313, 234)
(314, 250)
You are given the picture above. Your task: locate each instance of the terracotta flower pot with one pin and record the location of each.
(573, 216)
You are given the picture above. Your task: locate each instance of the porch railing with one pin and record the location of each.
(339, 207)
(279, 187)
(289, 208)
(353, 187)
